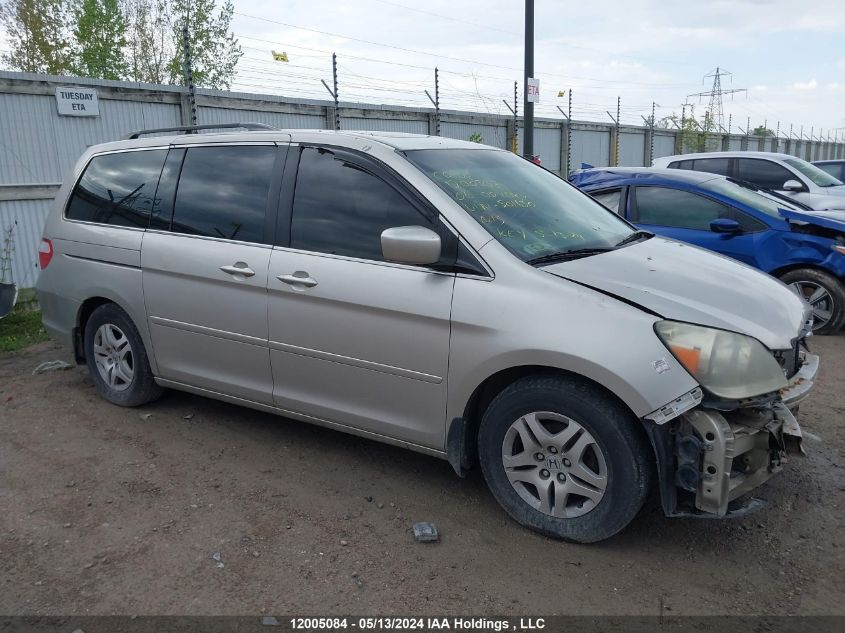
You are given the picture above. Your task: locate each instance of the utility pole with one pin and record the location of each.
(528, 106)
(436, 101)
(188, 70)
(334, 93)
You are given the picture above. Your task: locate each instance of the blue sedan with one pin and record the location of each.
(803, 248)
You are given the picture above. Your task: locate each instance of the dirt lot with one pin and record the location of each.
(106, 510)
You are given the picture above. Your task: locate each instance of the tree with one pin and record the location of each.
(689, 129)
(150, 40)
(214, 50)
(761, 130)
(37, 34)
(100, 36)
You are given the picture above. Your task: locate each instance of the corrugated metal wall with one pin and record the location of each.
(38, 146)
(27, 219)
(490, 134)
(632, 149)
(664, 145)
(408, 126)
(211, 115)
(591, 147)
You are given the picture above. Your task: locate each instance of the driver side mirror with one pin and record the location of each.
(410, 245)
(793, 185)
(725, 225)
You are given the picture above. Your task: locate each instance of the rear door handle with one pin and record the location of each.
(299, 278)
(239, 268)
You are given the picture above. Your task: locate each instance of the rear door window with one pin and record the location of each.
(118, 189)
(763, 173)
(712, 165)
(223, 192)
(660, 206)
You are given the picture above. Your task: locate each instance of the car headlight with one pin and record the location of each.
(727, 364)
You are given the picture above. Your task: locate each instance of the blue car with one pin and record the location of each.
(805, 249)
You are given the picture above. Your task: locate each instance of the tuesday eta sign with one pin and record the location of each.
(75, 101)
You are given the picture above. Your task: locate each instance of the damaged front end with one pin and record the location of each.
(711, 455)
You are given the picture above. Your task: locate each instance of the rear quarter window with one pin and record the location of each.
(118, 189)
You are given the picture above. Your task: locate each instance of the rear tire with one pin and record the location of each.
(117, 360)
(825, 293)
(564, 458)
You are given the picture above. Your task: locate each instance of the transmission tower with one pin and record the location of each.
(716, 119)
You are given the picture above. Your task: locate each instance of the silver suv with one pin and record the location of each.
(440, 295)
(785, 174)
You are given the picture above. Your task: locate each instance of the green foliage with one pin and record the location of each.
(476, 137)
(214, 50)
(37, 34)
(99, 39)
(688, 128)
(761, 131)
(150, 40)
(21, 328)
(139, 40)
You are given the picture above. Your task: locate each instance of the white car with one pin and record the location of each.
(785, 174)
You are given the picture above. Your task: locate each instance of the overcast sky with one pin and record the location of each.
(789, 54)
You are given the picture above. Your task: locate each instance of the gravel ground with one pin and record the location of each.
(106, 510)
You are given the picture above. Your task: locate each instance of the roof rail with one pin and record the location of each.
(192, 129)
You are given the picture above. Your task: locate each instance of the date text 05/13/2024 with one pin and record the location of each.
(417, 624)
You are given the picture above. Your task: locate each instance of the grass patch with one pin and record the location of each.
(22, 327)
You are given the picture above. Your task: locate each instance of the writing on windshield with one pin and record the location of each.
(528, 210)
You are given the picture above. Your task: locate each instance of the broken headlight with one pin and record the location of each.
(727, 364)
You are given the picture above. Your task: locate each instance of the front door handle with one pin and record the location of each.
(239, 268)
(299, 278)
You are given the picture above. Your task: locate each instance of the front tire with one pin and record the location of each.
(117, 359)
(824, 292)
(564, 458)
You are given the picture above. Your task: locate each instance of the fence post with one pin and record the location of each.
(564, 149)
(433, 127)
(185, 109)
(510, 134)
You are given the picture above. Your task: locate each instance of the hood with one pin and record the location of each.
(685, 283)
(829, 219)
(827, 200)
(836, 190)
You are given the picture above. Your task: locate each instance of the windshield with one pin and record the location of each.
(530, 211)
(819, 177)
(747, 194)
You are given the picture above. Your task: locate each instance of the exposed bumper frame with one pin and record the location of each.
(734, 452)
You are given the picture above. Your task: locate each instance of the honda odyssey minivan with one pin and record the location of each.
(440, 295)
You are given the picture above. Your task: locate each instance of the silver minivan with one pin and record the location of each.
(441, 295)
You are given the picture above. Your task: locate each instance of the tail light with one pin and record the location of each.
(45, 253)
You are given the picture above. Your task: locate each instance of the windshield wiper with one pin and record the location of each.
(563, 256)
(636, 236)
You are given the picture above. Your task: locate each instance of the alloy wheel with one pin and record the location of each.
(819, 299)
